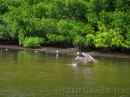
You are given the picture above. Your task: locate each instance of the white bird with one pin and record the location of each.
(77, 53)
(57, 52)
(6, 49)
(35, 51)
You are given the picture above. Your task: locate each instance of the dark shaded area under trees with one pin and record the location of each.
(88, 24)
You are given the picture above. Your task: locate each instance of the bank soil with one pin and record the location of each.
(66, 51)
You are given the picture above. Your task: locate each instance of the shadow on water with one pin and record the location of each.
(34, 74)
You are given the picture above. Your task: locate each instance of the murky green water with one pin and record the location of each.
(30, 74)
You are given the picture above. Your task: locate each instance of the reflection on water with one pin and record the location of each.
(33, 74)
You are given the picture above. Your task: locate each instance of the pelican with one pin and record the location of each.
(89, 57)
(81, 60)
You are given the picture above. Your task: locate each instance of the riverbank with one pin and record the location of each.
(66, 51)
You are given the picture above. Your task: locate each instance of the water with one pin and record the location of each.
(33, 74)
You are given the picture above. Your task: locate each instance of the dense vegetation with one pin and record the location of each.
(96, 23)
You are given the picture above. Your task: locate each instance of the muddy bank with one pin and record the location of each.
(66, 51)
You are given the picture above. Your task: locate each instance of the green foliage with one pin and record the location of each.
(55, 38)
(89, 40)
(110, 38)
(99, 23)
(33, 41)
(79, 40)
